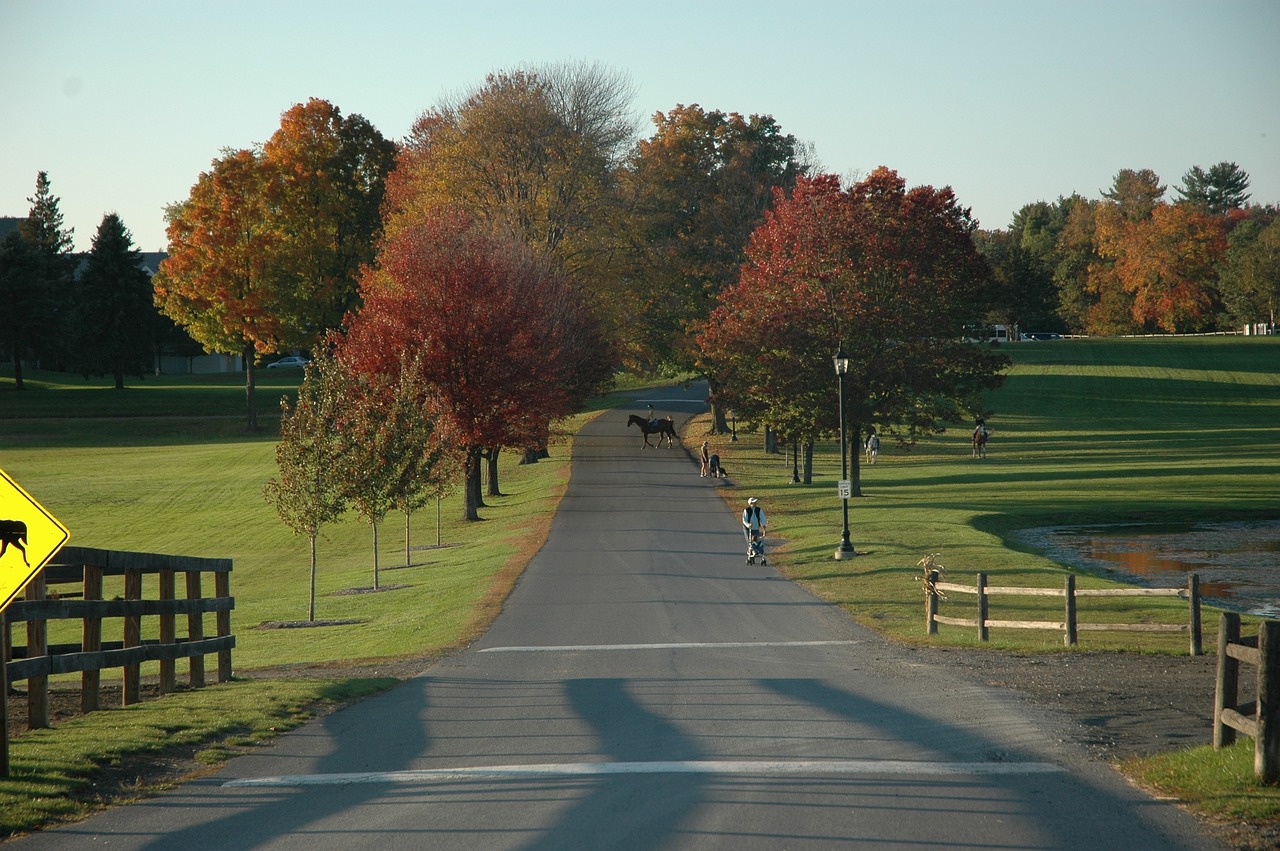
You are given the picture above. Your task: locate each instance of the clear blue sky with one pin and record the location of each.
(125, 102)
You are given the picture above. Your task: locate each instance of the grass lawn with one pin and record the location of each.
(1085, 431)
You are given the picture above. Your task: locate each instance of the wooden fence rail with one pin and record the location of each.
(85, 568)
(1261, 718)
(1070, 624)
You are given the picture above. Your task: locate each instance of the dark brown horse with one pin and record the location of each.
(662, 428)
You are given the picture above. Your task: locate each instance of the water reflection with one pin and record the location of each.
(1238, 563)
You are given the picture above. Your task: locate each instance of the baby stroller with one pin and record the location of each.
(755, 547)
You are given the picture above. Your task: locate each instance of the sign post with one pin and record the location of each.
(29, 537)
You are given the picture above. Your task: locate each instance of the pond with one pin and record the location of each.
(1238, 562)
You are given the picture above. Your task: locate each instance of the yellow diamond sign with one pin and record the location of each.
(29, 536)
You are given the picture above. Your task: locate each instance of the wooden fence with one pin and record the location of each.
(1070, 626)
(86, 569)
(1261, 718)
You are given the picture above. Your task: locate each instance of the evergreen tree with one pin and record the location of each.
(36, 281)
(1217, 191)
(19, 265)
(115, 319)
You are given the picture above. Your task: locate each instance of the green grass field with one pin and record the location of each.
(1085, 431)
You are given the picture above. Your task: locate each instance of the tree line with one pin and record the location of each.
(493, 268)
(1135, 262)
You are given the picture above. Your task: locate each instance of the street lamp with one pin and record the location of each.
(845, 550)
(733, 427)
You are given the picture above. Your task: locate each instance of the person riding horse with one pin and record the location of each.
(663, 428)
(980, 437)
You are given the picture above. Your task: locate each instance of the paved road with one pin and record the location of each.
(646, 689)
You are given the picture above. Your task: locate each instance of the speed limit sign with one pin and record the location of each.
(845, 488)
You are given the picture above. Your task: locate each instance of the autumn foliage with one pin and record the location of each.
(889, 273)
(496, 333)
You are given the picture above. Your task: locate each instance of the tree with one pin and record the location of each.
(394, 448)
(1250, 272)
(36, 276)
(219, 282)
(1075, 254)
(264, 254)
(1218, 191)
(700, 185)
(888, 274)
(531, 153)
(1167, 263)
(1135, 192)
(115, 321)
(332, 171)
(479, 312)
(20, 294)
(309, 491)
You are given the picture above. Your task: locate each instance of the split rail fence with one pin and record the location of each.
(1261, 718)
(86, 568)
(1070, 625)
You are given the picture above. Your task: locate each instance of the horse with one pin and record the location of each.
(873, 448)
(980, 436)
(663, 428)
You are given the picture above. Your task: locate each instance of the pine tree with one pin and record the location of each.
(36, 277)
(115, 320)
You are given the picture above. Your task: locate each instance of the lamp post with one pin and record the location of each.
(733, 427)
(845, 550)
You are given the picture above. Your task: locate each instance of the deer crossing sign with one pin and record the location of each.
(29, 537)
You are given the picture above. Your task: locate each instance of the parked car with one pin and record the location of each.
(291, 362)
(1041, 336)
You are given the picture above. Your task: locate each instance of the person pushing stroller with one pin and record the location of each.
(754, 524)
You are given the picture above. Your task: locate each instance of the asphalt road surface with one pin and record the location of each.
(646, 689)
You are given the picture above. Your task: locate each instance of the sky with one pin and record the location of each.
(124, 103)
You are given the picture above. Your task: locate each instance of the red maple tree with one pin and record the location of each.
(497, 334)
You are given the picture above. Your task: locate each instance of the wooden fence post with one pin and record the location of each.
(195, 629)
(222, 588)
(37, 645)
(1266, 755)
(168, 634)
(91, 642)
(1226, 690)
(983, 632)
(4, 695)
(132, 638)
(1193, 591)
(1070, 637)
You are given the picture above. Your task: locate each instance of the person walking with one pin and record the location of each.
(706, 459)
(754, 524)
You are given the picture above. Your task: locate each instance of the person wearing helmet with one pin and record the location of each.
(754, 524)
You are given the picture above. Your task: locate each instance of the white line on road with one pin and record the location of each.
(589, 769)
(692, 645)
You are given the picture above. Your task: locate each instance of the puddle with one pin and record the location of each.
(1238, 563)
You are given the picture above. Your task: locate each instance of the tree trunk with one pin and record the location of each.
(407, 560)
(808, 462)
(119, 376)
(492, 458)
(719, 424)
(770, 440)
(530, 456)
(471, 487)
(250, 388)
(374, 524)
(311, 604)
